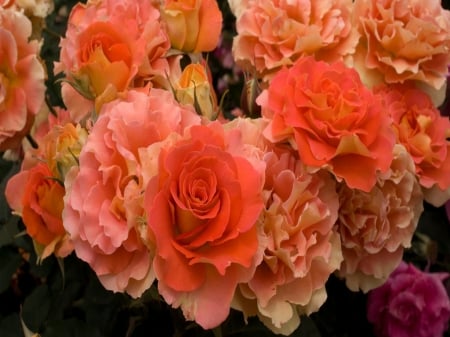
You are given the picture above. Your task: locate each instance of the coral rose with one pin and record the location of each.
(411, 303)
(103, 205)
(272, 34)
(333, 121)
(302, 249)
(403, 40)
(203, 208)
(377, 226)
(420, 127)
(37, 196)
(193, 25)
(111, 44)
(21, 78)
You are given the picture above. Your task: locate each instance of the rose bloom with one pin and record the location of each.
(21, 78)
(109, 46)
(103, 205)
(302, 249)
(192, 25)
(272, 34)
(377, 226)
(403, 40)
(37, 196)
(203, 208)
(332, 120)
(410, 303)
(420, 127)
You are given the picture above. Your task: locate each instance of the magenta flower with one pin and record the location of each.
(410, 303)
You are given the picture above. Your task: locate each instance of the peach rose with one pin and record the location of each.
(302, 248)
(377, 226)
(103, 205)
(21, 78)
(272, 34)
(109, 45)
(192, 25)
(403, 40)
(37, 196)
(203, 208)
(420, 127)
(332, 120)
(195, 88)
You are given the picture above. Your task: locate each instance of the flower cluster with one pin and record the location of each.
(145, 177)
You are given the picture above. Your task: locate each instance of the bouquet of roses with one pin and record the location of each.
(322, 169)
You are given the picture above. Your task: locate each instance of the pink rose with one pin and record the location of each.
(333, 121)
(272, 34)
(410, 303)
(377, 226)
(420, 127)
(103, 204)
(301, 247)
(403, 40)
(21, 78)
(203, 208)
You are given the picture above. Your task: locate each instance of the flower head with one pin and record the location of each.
(103, 210)
(301, 248)
(376, 226)
(202, 208)
(21, 78)
(331, 118)
(37, 195)
(272, 34)
(410, 303)
(403, 40)
(420, 127)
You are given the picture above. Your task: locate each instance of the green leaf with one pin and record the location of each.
(36, 307)
(70, 328)
(9, 263)
(7, 170)
(307, 328)
(9, 231)
(10, 326)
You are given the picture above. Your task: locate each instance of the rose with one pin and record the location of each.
(376, 226)
(420, 127)
(332, 120)
(21, 78)
(301, 246)
(403, 40)
(103, 210)
(193, 25)
(37, 196)
(410, 303)
(108, 47)
(202, 209)
(272, 34)
(194, 88)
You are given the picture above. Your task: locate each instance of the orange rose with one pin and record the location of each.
(110, 46)
(203, 208)
(193, 25)
(38, 198)
(420, 127)
(331, 119)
